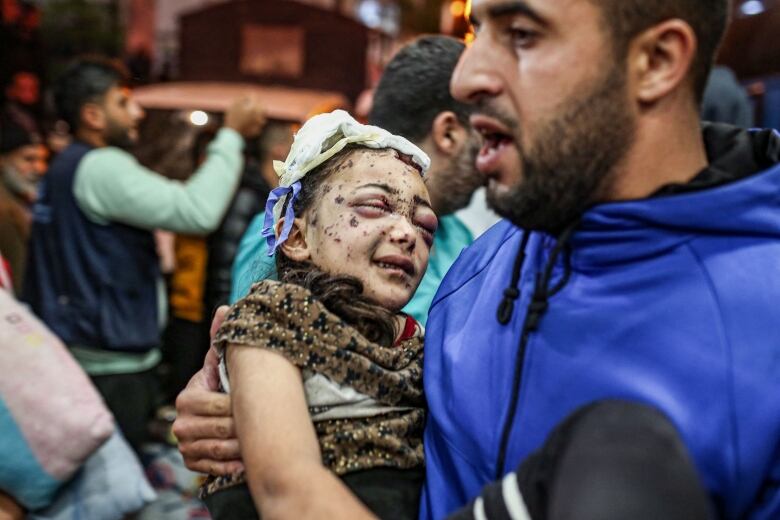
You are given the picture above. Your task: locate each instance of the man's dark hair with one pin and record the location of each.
(625, 19)
(415, 87)
(86, 80)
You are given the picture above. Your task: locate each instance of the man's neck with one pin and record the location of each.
(92, 138)
(666, 150)
(434, 175)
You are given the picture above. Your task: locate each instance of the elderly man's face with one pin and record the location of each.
(547, 84)
(22, 169)
(28, 161)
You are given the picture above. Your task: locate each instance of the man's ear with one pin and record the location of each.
(93, 116)
(660, 59)
(447, 134)
(295, 247)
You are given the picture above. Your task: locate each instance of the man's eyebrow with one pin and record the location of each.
(511, 8)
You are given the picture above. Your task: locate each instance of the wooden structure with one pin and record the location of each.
(752, 46)
(274, 42)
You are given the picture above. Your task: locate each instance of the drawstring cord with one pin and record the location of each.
(542, 292)
(511, 293)
(536, 309)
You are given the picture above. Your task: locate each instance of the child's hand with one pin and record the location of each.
(204, 425)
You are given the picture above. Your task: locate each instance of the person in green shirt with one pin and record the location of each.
(92, 268)
(412, 100)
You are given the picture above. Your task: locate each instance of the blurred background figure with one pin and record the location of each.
(22, 165)
(187, 332)
(363, 105)
(201, 280)
(258, 180)
(726, 100)
(22, 100)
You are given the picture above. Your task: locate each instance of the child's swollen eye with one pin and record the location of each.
(427, 235)
(427, 223)
(373, 206)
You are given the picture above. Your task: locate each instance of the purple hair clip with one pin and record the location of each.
(289, 215)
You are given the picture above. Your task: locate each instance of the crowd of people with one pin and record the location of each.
(605, 351)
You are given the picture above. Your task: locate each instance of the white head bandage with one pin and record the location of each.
(320, 138)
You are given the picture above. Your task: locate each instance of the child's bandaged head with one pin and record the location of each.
(319, 139)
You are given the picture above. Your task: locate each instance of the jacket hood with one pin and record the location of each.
(737, 194)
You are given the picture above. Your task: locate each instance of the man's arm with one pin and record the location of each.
(278, 442)
(204, 424)
(111, 186)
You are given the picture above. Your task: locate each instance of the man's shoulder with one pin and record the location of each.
(723, 260)
(106, 155)
(482, 254)
(101, 165)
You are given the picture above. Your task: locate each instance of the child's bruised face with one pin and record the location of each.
(374, 222)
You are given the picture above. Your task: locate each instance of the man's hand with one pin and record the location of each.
(204, 424)
(9, 509)
(245, 116)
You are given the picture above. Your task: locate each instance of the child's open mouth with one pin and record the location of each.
(396, 264)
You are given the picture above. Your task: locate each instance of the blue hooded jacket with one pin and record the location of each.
(672, 300)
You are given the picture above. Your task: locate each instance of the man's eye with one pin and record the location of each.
(522, 38)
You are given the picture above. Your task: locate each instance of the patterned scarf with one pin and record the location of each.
(287, 319)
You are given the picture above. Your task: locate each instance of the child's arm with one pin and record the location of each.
(278, 442)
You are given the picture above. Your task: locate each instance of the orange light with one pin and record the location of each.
(458, 8)
(469, 36)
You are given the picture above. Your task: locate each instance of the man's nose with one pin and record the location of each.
(475, 76)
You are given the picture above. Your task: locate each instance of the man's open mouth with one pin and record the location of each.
(495, 138)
